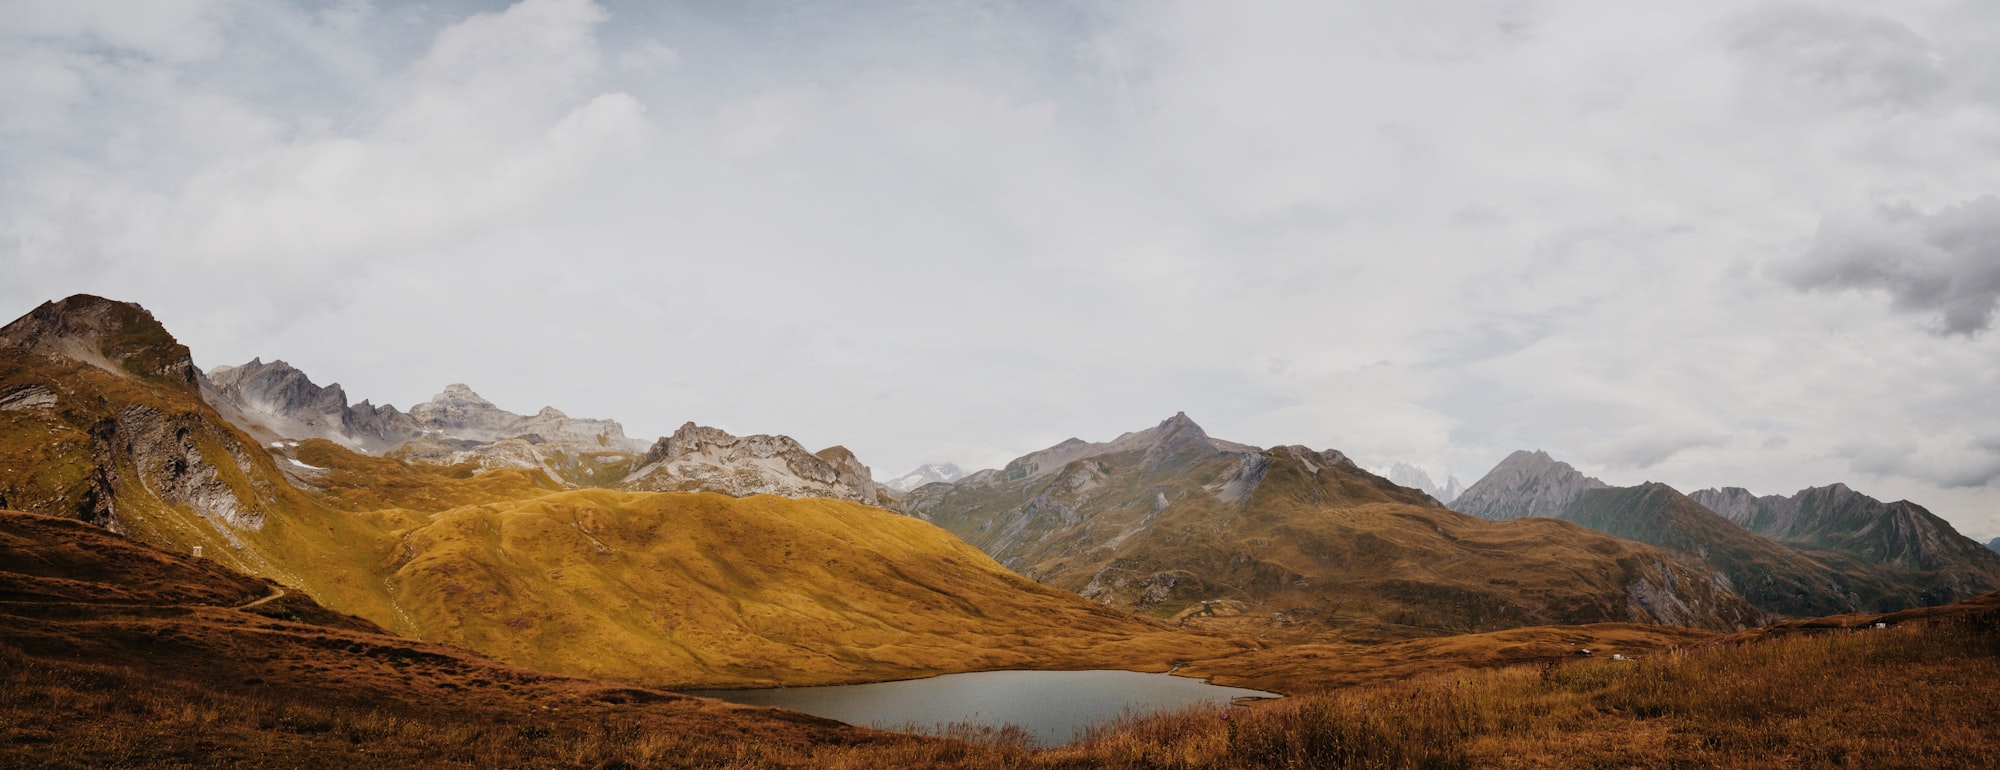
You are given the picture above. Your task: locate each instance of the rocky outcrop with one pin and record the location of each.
(117, 337)
(698, 458)
(135, 445)
(929, 473)
(1525, 484)
(274, 401)
(277, 401)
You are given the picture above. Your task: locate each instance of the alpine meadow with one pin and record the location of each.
(982, 384)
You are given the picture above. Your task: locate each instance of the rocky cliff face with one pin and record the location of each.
(1525, 484)
(698, 458)
(98, 395)
(1293, 541)
(277, 401)
(930, 473)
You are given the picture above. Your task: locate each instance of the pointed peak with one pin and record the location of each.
(459, 391)
(552, 413)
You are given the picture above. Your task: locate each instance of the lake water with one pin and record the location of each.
(1054, 706)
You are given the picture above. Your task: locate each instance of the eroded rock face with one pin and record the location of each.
(1525, 484)
(174, 468)
(276, 401)
(698, 458)
(118, 337)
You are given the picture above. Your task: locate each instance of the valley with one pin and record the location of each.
(240, 564)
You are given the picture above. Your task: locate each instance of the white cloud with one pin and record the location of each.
(1428, 232)
(1947, 262)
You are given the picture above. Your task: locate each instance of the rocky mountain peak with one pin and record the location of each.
(929, 473)
(698, 457)
(118, 337)
(1405, 474)
(1525, 484)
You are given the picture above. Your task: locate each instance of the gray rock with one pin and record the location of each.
(1525, 484)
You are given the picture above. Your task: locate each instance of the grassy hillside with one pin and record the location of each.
(677, 589)
(172, 680)
(1773, 577)
(701, 588)
(1295, 544)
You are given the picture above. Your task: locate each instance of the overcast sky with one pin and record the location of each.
(1707, 243)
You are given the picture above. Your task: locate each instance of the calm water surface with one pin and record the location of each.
(1054, 706)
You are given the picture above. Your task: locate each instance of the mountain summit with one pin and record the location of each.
(117, 337)
(929, 473)
(1525, 484)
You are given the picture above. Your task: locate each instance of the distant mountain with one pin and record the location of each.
(1839, 523)
(278, 403)
(1993, 545)
(1415, 478)
(1525, 484)
(1772, 573)
(273, 401)
(1293, 541)
(1771, 576)
(930, 473)
(698, 458)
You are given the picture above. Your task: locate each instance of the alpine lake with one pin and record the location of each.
(1053, 706)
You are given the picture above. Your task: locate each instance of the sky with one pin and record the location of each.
(1706, 243)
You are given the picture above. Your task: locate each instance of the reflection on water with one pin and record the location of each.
(1054, 706)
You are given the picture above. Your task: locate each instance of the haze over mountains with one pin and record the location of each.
(105, 422)
(1823, 551)
(561, 543)
(1292, 540)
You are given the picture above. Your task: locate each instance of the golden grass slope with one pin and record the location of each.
(674, 589)
(705, 589)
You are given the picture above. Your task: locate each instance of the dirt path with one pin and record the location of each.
(277, 592)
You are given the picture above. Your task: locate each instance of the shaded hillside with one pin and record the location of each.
(1843, 525)
(1785, 578)
(1169, 520)
(119, 654)
(664, 588)
(1771, 576)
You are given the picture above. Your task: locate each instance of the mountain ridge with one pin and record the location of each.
(1296, 542)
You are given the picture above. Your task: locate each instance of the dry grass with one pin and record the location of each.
(1919, 695)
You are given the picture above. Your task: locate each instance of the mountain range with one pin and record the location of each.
(106, 421)
(1823, 551)
(1299, 543)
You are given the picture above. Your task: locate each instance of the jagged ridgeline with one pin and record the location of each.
(1824, 551)
(474, 532)
(1293, 541)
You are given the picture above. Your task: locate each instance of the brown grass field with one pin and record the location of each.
(118, 655)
